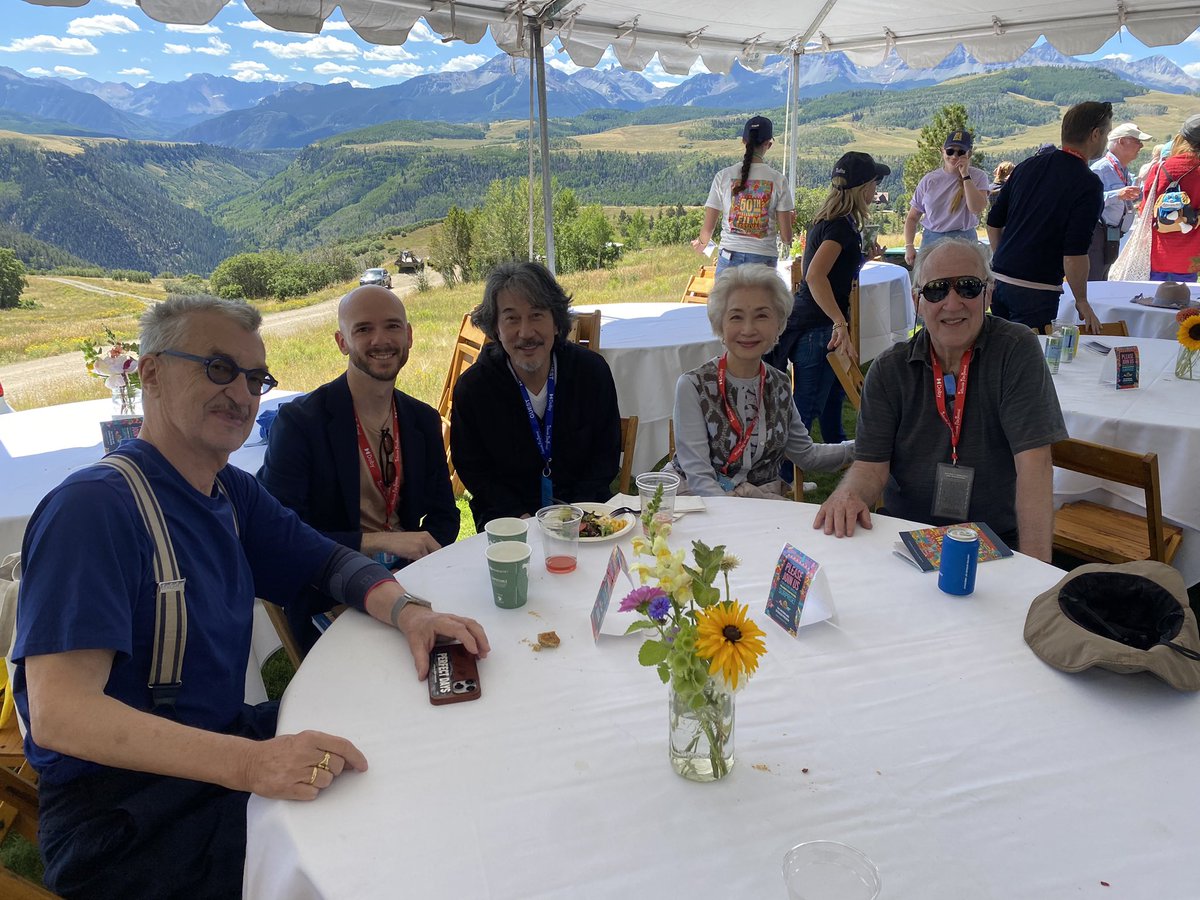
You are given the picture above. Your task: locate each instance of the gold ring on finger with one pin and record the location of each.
(313, 778)
(324, 763)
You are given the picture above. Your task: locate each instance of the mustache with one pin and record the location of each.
(228, 406)
(530, 345)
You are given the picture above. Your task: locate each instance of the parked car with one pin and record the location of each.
(376, 276)
(408, 261)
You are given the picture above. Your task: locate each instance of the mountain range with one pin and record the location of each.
(224, 111)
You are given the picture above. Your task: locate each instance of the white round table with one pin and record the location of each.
(648, 346)
(918, 728)
(1160, 416)
(1110, 300)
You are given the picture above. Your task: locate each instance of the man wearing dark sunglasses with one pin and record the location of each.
(948, 200)
(1041, 225)
(359, 460)
(145, 775)
(956, 424)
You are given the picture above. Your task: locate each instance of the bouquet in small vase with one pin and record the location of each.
(704, 647)
(117, 365)
(1187, 363)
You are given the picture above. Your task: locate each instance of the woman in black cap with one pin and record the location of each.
(819, 322)
(754, 202)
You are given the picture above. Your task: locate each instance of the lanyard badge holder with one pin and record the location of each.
(952, 483)
(543, 432)
(743, 433)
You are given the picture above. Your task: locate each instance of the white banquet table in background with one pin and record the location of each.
(918, 728)
(647, 347)
(1110, 300)
(1160, 416)
(885, 307)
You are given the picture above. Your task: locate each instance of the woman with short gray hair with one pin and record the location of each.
(735, 421)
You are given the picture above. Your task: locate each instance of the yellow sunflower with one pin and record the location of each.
(1189, 333)
(729, 640)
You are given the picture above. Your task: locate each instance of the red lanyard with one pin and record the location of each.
(1119, 169)
(1075, 153)
(390, 492)
(960, 400)
(743, 434)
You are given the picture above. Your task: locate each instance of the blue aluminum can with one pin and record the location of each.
(960, 556)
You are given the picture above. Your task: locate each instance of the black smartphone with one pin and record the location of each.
(453, 675)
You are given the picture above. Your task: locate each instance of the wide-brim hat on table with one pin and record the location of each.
(1132, 617)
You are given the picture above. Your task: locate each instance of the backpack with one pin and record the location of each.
(1173, 211)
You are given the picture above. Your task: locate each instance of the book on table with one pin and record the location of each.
(922, 548)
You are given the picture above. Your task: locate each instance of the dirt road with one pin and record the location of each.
(96, 289)
(34, 376)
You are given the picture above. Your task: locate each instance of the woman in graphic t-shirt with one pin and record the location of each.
(754, 202)
(833, 254)
(1172, 250)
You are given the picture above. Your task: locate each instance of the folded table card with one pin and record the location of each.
(799, 593)
(1121, 368)
(616, 563)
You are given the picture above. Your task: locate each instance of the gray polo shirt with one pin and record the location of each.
(1011, 406)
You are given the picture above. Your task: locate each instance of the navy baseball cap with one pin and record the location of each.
(758, 130)
(960, 139)
(857, 169)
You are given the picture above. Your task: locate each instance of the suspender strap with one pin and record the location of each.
(170, 619)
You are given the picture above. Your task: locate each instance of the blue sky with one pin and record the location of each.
(112, 40)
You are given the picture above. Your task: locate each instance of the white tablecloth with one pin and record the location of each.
(885, 306)
(919, 728)
(648, 346)
(1161, 416)
(1110, 300)
(41, 447)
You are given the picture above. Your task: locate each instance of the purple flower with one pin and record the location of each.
(640, 597)
(659, 607)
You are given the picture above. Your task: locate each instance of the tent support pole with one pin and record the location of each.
(793, 124)
(529, 144)
(547, 198)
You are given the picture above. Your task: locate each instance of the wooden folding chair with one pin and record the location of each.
(467, 346)
(848, 375)
(1097, 533)
(629, 427)
(585, 329)
(282, 628)
(797, 273)
(700, 285)
(1118, 328)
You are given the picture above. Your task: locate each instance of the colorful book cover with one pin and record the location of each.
(923, 547)
(793, 576)
(1127, 368)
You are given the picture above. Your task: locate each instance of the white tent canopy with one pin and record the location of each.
(717, 31)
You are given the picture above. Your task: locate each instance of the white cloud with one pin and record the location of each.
(95, 26)
(68, 72)
(465, 63)
(1193, 38)
(319, 47)
(271, 76)
(331, 68)
(387, 54)
(665, 85)
(216, 47)
(176, 49)
(564, 65)
(248, 65)
(354, 84)
(38, 71)
(397, 70)
(1123, 57)
(139, 73)
(1192, 69)
(48, 43)
(422, 32)
(255, 25)
(298, 69)
(194, 29)
(250, 71)
(127, 4)
(335, 26)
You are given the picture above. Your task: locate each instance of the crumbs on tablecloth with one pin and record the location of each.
(533, 613)
(804, 770)
(762, 767)
(547, 640)
(1105, 884)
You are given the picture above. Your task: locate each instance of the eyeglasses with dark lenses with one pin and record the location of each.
(966, 286)
(387, 451)
(954, 151)
(222, 370)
